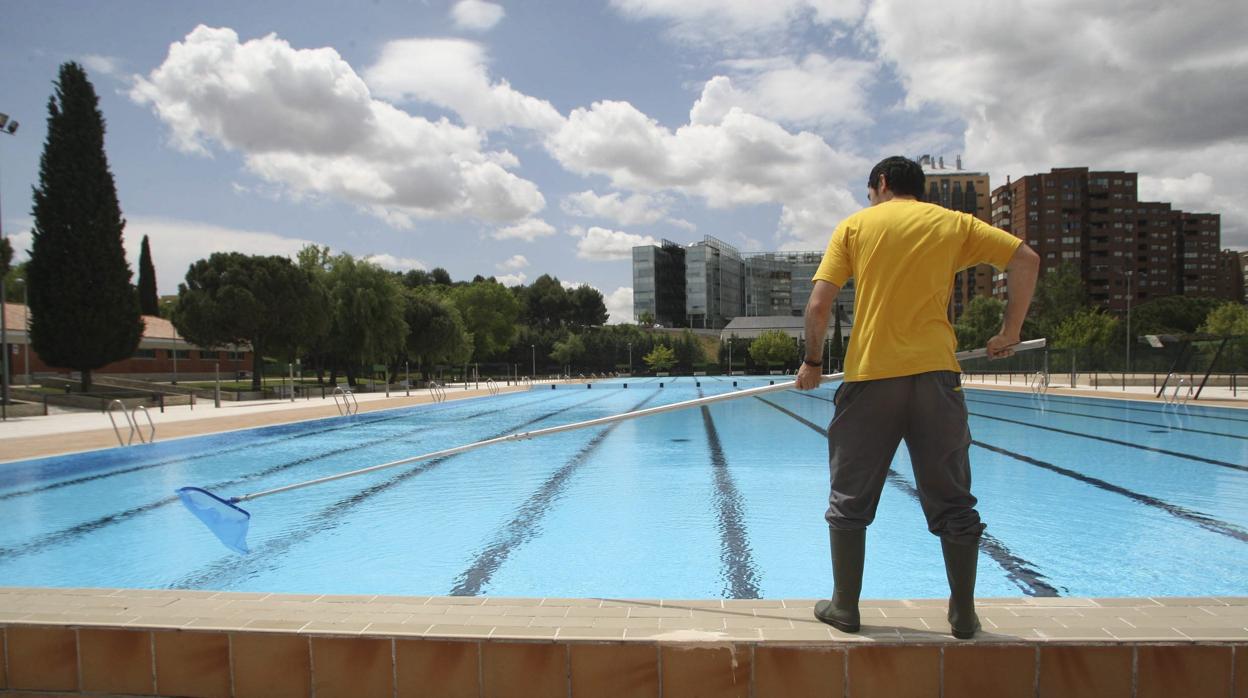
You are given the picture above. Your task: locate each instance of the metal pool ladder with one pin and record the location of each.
(492, 386)
(1039, 383)
(349, 404)
(437, 391)
(132, 421)
(1175, 398)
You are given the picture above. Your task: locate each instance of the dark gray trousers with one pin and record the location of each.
(928, 412)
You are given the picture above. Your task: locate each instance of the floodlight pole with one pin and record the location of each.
(1128, 333)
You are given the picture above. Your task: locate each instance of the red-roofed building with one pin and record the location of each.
(155, 357)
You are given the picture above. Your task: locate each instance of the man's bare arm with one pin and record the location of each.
(1021, 275)
(818, 309)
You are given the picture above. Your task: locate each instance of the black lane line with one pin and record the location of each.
(735, 554)
(523, 526)
(1018, 570)
(1106, 439)
(331, 517)
(78, 530)
(1200, 519)
(1130, 405)
(183, 460)
(1047, 410)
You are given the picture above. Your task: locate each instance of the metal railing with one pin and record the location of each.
(348, 405)
(437, 391)
(492, 386)
(1039, 383)
(132, 421)
(1175, 398)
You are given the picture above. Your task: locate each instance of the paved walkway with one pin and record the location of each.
(70, 432)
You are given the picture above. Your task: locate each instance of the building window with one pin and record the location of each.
(144, 353)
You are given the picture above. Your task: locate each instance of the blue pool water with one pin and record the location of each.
(1082, 497)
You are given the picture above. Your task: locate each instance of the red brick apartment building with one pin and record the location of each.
(155, 357)
(960, 190)
(1119, 244)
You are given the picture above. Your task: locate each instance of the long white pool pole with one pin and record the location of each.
(519, 436)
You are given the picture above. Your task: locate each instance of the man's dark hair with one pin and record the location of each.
(904, 176)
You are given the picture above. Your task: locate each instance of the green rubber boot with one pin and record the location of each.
(960, 563)
(849, 548)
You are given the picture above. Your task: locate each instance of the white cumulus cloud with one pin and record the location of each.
(393, 263)
(1146, 87)
(516, 279)
(634, 209)
(514, 262)
(476, 15)
(528, 230)
(603, 245)
(619, 305)
(815, 91)
(740, 160)
(453, 74)
(302, 118)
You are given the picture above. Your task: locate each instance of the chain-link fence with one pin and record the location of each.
(1199, 361)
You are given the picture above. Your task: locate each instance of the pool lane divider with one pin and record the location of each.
(1205, 521)
(328, 518)
(1021, 572)
(523, 526)
(67, 535)
(1118, 442)
(1030, 405)
(735, 554)
(230, 522)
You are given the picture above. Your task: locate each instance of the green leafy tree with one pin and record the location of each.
(773, 347)
(546, 303)
(568, 350)
(1059, 295)
(6, 256)
(440, 277)
(84, 310)
(588, 308)
(1171, 315)
(266, 302)
(646, 319)
(660, 359)
(1088, 328)
(1228, 319)
(148, 302)
(366, 308)
(490, 312)
(689, 353)
(435, 331)
(980, 321)
(15, 281)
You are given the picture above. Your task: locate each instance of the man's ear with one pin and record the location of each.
(881, 184)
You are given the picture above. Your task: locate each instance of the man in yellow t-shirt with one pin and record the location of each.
(902, 381)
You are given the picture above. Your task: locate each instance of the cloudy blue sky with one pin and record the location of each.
(516, 139)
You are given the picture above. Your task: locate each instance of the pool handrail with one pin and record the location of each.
(521, 436)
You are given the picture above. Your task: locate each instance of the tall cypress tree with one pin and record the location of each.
(148, 302)
(84, 310)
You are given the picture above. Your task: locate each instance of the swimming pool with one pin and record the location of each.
(1082, 497)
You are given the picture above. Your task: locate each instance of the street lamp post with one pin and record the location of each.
(10, 127)
(1129, 272)
(630, 358)
(533, 356)
(26, 329)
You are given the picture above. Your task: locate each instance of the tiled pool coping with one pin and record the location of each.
(55, 638)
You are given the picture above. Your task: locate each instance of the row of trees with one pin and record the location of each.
(1061, 313)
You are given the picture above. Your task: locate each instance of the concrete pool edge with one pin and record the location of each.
(161, 641)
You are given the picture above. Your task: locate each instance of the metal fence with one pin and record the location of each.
(1202, 361)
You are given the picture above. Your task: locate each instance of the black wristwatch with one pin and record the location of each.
(816, 364)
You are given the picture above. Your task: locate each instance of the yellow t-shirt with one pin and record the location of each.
(903, 255)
